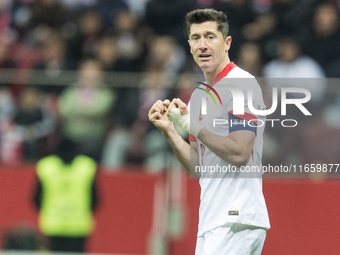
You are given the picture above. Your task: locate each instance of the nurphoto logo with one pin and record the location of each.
(241, 101)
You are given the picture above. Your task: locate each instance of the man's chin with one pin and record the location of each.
(206, 66)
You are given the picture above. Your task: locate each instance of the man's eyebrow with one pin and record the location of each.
(209, 33)
(205, 34)
(193, 35)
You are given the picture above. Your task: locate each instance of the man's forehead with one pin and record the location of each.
(204, 27)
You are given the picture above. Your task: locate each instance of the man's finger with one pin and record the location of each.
(166, 103)
(171, 106)
(179, 102)
(183, 108)
(157, 107)
(154, 116)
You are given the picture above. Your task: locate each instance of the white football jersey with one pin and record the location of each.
(230, 194)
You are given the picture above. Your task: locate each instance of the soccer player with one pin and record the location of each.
(233, 217)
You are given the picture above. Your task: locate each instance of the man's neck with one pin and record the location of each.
(211, 76)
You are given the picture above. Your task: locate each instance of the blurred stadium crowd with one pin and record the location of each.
(89, 70)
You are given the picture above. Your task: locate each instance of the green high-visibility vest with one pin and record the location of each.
(66, 197)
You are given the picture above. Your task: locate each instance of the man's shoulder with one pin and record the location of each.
(238, 72)
(241, 79)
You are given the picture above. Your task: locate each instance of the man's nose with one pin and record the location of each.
(203, 45)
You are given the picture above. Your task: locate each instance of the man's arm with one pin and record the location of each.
(234, 149)
(185, 153)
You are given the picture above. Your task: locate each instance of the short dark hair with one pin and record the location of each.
(203, 15)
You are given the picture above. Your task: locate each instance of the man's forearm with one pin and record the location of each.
(234, 149)
(187, 155)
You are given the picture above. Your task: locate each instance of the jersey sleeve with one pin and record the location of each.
(248, 120)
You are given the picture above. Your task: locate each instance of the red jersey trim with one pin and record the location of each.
(245, 116)
(224, 72)
(192, 138)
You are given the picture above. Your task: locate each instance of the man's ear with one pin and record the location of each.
(227, 43)
(190, 47)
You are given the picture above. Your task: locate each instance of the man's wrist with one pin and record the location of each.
(195, 128)
(171, 130)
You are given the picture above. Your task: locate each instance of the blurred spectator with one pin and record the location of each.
(33, 121)
(11, 141)
(24, 130)
(168, 55)
(9, 151)
(291, 64)
(126, 106)
(165, 17)
(249, 58)
(5, 63)
(5, 16)
(263, 25)
(106, 52)
(263, 30)
(117, 142)
(66, 197)
(137, 7)
(46, 15)
(5, 55)
(51, 13)
(53, 63)
(20, 18)
(10, 138)
(82, 43)
(239, 14)
(284, 17)
(322, 40)
(109, 9)
(141, 140)
(33, 21)
(108, 55)
(84, 109)
(7, 105)
(77, 4)
(288, 14)
(131, 41)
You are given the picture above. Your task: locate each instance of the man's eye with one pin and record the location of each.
(195, 38)
(210, 37)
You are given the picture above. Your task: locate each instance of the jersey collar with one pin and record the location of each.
(224, 72)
